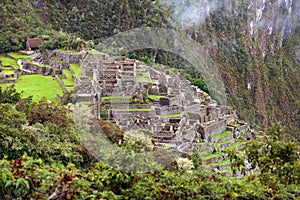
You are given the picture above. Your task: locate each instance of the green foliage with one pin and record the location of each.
(126, 15)
(36, 86)
(11, 123)
(67, 98)
(19, 21)
(28, 178)
(196, 159)
(112, 132)
(144, 59)
(47, 132)
(9, 95)
(199, 82)
(273, 159)
(63, 40)
(33, 178)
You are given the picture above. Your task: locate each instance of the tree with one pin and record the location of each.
(10, 95)
(270, 157)
(11, 122)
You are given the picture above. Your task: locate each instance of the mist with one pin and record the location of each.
(190, 11)
(195, 12)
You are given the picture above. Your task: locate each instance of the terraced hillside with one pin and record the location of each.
(34, 80)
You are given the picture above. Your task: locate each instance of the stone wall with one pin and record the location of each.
(193, 108)
(214, 128)
(68, 57)
(35, 69)
(9, 78)
(83, 87)
(61, 83)
(84, 97)
(189, 134)
(141, 113)
(176, 100)
(193, 116)
(58, 64)
(169, 110)
(129, 106)
(59, 98)
(231, 119)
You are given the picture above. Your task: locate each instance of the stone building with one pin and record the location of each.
(33, 43)
(177, 112)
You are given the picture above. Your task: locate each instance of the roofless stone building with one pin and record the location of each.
(135, 96)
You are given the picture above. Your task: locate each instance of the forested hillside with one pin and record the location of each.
(90, 20)
(255, 44)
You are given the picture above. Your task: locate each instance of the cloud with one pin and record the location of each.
(190, 11)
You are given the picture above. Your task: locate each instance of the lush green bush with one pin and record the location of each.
(273, 159)
(40, 129)
(44, 131)
(28, 178)
(9, 95)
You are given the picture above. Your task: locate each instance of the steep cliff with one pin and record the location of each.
(256, 47)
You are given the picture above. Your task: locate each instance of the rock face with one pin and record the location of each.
(255, 45)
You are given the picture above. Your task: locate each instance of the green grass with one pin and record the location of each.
(224, 142)
(11, 79)
(204, 95)
(57, 59)
(226, 170)
(69, 81)
(222, 135)
(212, 156)
(236, 144)
(152, 96)
(172, 115)
(37, 86)
(234, 125)
(9, 62)
(70, 88)
(8, 72)
(19, 56)
(204, 152)
(223, 162)
(77, 69)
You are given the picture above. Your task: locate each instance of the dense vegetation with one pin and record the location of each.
(62, 24)
(39, 145)
(42, 156)
(237, 53)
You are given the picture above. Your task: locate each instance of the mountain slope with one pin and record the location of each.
(255, 43)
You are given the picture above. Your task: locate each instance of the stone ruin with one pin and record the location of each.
(135, 96)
